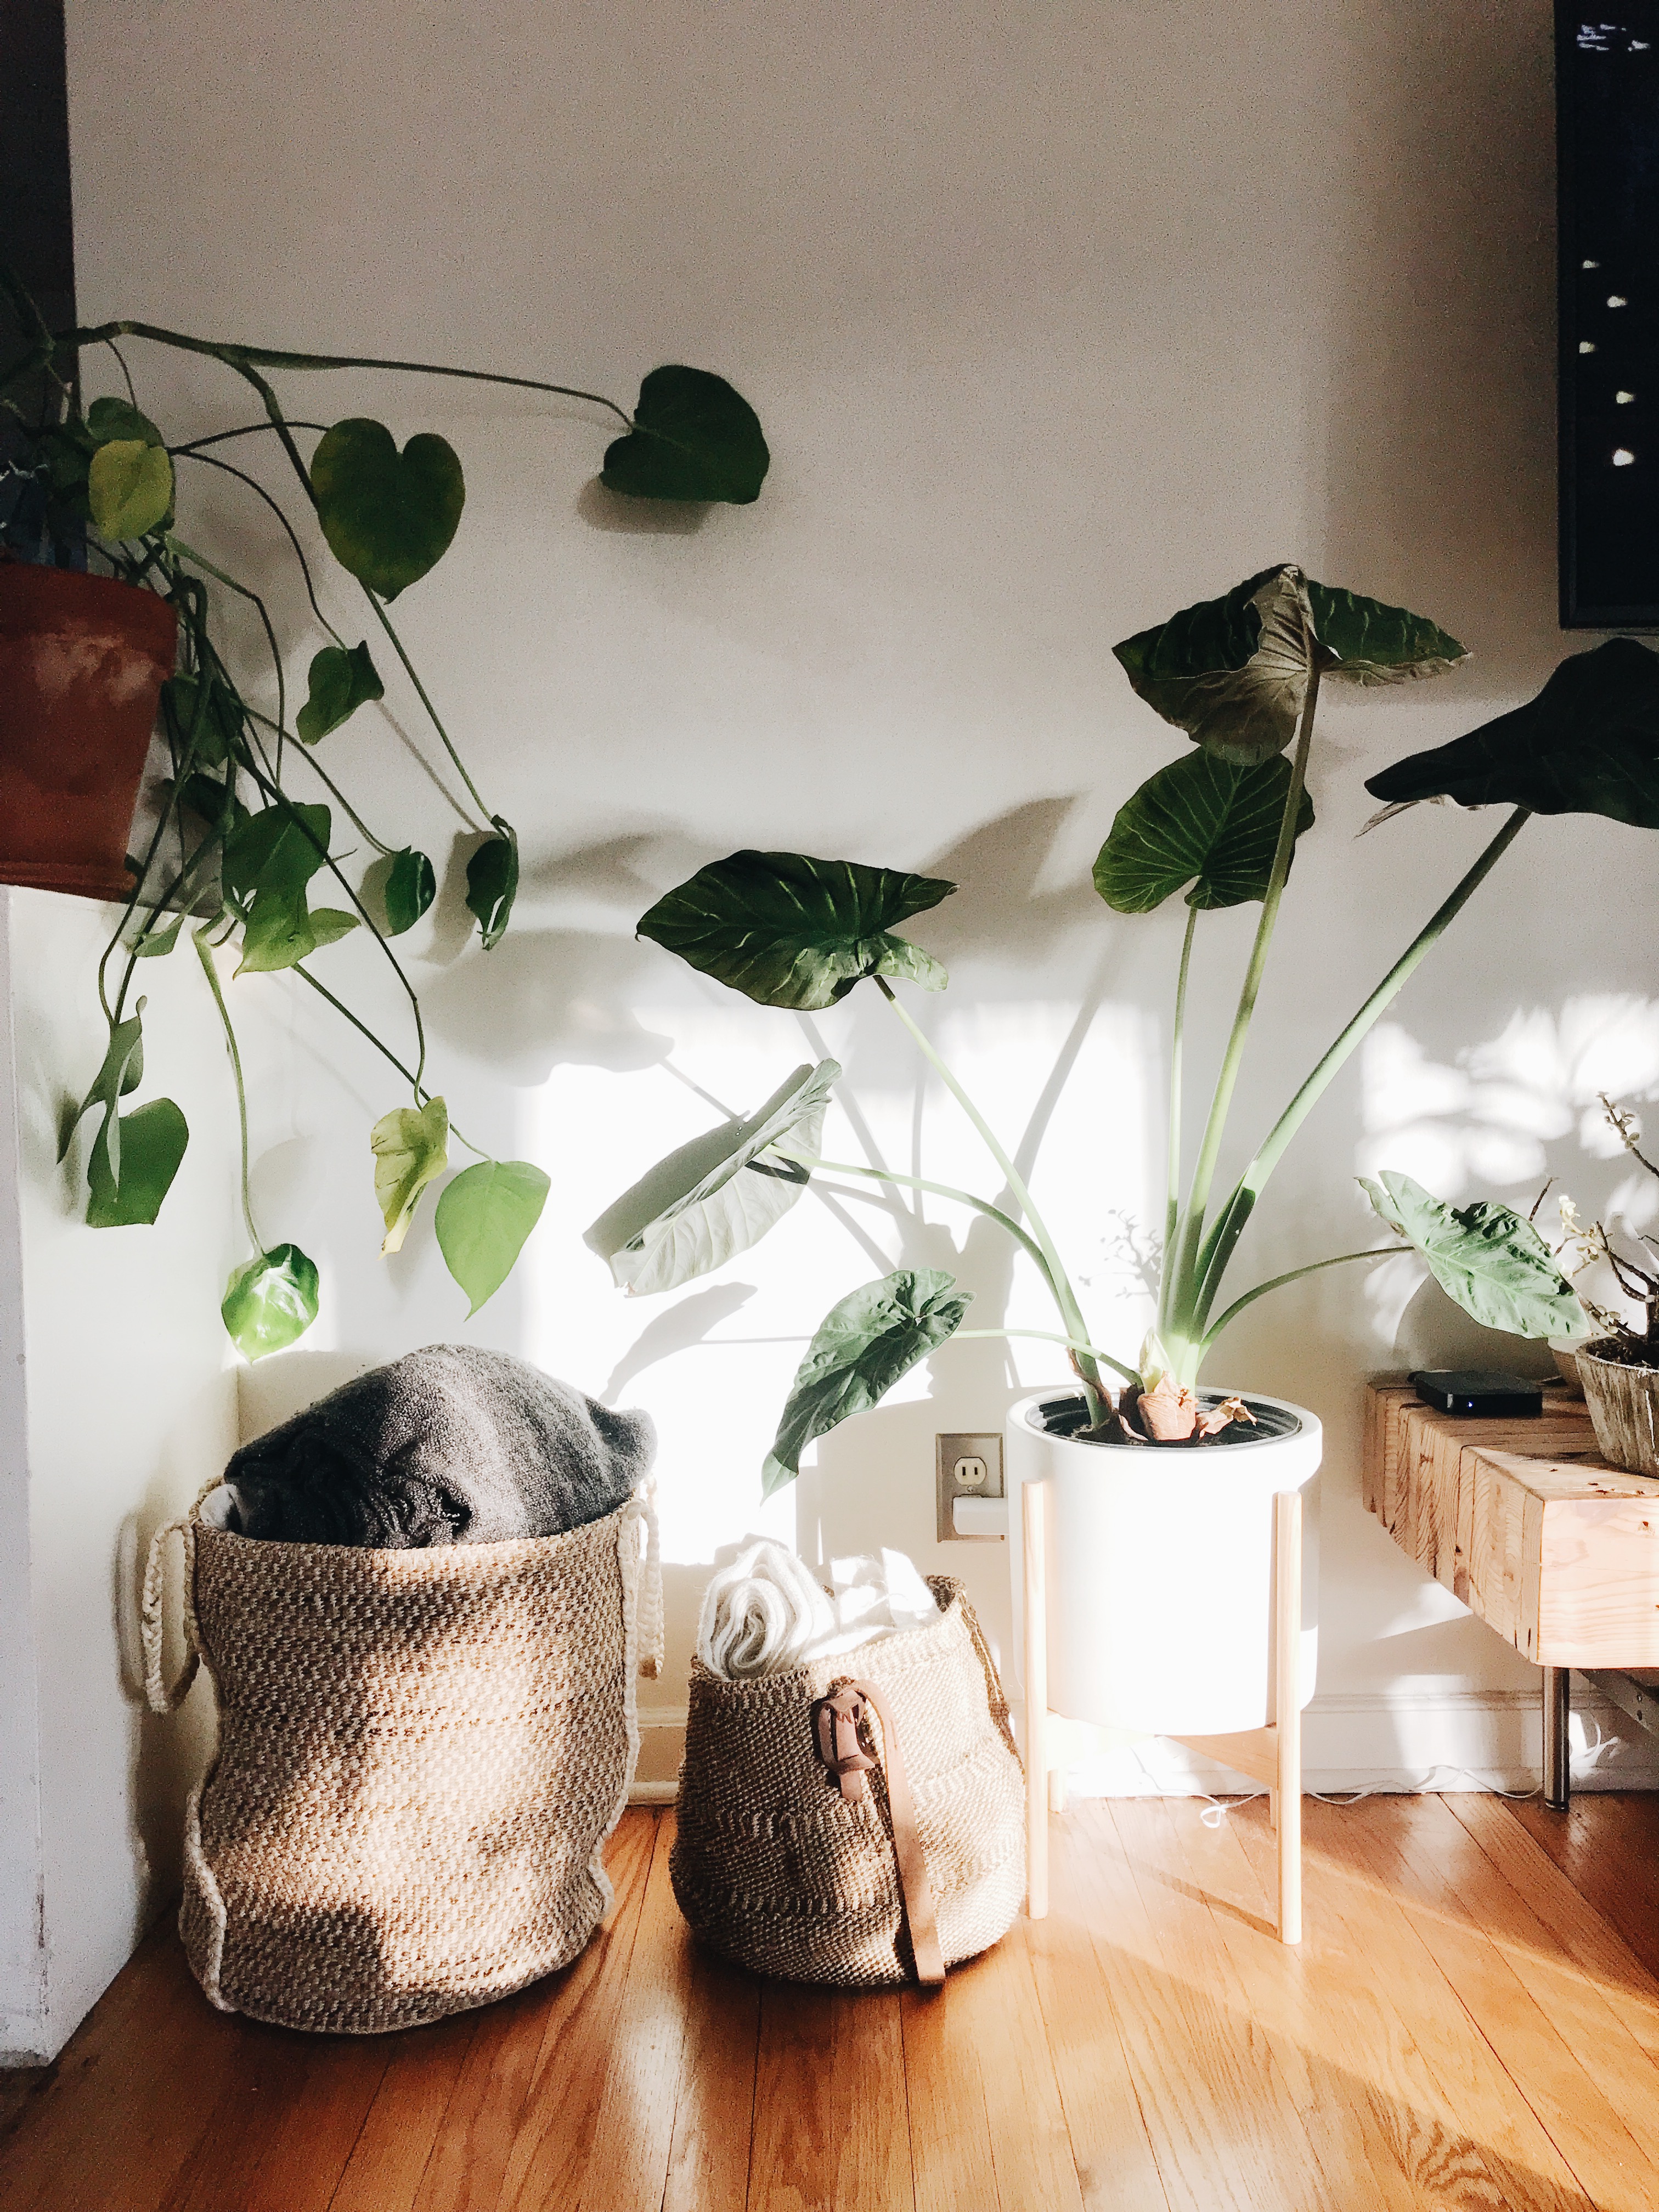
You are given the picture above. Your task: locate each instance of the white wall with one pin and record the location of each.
(1056, 319)
(117, 1401)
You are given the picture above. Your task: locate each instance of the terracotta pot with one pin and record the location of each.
(83, 660)
(1624, 1409)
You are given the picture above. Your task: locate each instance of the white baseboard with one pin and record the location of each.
(1367, 1741)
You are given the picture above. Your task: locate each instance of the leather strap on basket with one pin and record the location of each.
(835, 1731)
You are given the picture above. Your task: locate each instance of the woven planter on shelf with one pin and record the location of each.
(1624, 1405)
(421, 1755)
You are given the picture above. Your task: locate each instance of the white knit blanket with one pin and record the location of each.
(765, 1611)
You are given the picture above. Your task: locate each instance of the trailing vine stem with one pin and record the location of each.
(422, 1095)
(197, 939)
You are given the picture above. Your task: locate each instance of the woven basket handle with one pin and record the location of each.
(159, 1697)
(836, 1733)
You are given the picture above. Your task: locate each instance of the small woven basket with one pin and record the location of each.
(776, 1868)
(421, 1755)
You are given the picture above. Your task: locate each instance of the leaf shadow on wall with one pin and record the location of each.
(999, 908)
(543, 999)
(602, 509)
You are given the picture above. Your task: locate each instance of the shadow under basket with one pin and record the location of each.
(82, 661)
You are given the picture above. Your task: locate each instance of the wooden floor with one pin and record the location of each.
(1472, 2021)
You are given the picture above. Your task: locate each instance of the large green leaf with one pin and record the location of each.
(388, 516)
(492, 882)
(129, 488)
(271, 1301)
(280, 848)
(410, 1146)
(694, 437)
(1233, 671)
(411, 888)
(484, 1218)
(1589, 743)
(863, 1345)
(133, 1165)
(1201, 821)
(341, 681)
(1490, 1260)
(714, 1197)
(790, 931)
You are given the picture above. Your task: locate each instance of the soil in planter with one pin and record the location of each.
(1618, 1352)
(1068, 1416)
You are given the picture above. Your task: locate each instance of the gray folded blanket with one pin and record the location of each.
(449, 1445)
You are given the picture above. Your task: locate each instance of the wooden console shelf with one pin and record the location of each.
(1528, 1524)
(1525, 1523)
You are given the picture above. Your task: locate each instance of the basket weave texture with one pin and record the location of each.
(774, 1869)
(1624, 1408)
(421, 1755)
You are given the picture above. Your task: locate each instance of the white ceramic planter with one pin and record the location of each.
(1160, 1593)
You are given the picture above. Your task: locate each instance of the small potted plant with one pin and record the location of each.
(1162, 1488)
(1618, 1371)
(112, 609)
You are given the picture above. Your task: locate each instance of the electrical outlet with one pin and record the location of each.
(967, 1464)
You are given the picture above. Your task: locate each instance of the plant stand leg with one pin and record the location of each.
(1287, 1797)
(1033, 1520)
(1558, 1738)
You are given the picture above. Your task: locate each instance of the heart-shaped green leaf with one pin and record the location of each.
(1487, 1258)
(214, 801)
(790, 931)
(410, 1145)
(271, 1301)
(203, 721)
(1233, 671)
(492, 882)
(1589, 743)
(716, 1196)
(1201, 821)
(281, 932)
(111, 421)
(388, 517)
(341, 681)
(411, 888)
(484, 1218)
(132, 1167)
(278, 849)
(121, 1072)
(694, 437)
(129, 488)
(863, 1345)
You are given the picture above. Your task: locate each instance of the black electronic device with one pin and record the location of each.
(1607, 183)
(1477, 1392)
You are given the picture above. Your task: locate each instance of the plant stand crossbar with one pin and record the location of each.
(1270, 1755)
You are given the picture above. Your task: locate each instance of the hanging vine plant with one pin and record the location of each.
(236, 859)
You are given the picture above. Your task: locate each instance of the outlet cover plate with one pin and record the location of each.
(978, 1449)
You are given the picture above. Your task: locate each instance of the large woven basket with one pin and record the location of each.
(775, 1868)
(421, 1755)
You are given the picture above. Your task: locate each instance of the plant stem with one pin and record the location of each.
(308, 754)
(212, 974)
(201, 561)
(1176, 1302)
(1058, 1282)
(1291, 1275)
(1172, 1207)
(940, 1190)
(1051, 1336)
(211, 461)
(422, 1095)
(1229, 1225)
(409, 667)
(244, 358)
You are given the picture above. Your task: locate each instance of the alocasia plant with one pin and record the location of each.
(233, 848)
(1242, 676)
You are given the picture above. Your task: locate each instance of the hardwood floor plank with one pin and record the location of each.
(831, 2119)
(389, 2158)
(1529, 2017)
(944, 2089)
(1476, 2095)
(1111, 2148)
(310, 2141)
(548, 2167)
(1031, 2153)
(1607, 1846)
(484, 2130)
(1296, 1993)
(715, 2100)
(1574, 1926)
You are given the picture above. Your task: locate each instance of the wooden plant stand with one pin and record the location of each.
(1270, 1755)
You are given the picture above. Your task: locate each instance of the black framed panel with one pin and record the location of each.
(1607, 136)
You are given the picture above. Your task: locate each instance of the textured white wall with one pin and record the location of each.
(1056, 319)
